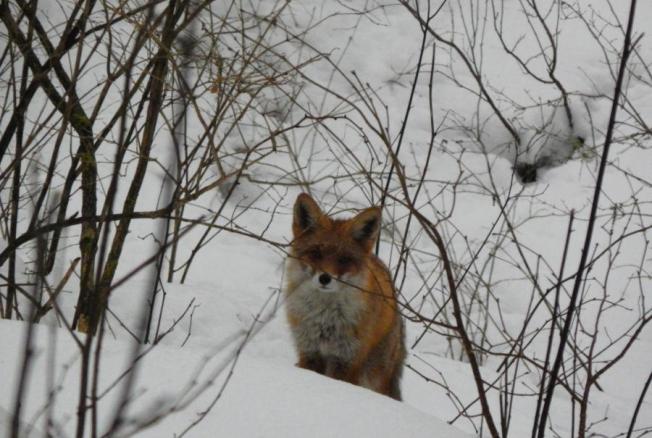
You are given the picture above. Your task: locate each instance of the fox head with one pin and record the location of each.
(333, 252)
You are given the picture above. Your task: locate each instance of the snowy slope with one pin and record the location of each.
(263, 398)
(233, 285)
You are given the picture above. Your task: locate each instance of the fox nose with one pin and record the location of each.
(324, 279)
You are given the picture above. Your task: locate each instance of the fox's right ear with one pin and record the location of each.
(306, 214)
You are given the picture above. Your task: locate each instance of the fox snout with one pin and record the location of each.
(325, 279)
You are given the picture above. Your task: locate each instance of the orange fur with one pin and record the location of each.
(349, 328)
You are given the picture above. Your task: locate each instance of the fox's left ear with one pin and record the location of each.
(365, 226)
(306, 214)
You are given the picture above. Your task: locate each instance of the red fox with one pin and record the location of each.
(340, 299)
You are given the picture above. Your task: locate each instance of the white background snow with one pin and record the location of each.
(232, 294)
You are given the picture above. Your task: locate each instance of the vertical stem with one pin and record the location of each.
(88, 240)
(155, 98)
(589, 231)
(638, 405)
(461, 330)
(187, 45)
(15, 192)
(28, 350)
(553, 323)
(408, 111)
(176, 226)
(13, 220)
(171, 199)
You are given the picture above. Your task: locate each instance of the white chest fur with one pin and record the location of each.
(326, 320)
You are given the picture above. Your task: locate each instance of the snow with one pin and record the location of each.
(263, 398)
(232, 296)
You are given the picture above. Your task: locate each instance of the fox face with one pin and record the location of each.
(332, 253)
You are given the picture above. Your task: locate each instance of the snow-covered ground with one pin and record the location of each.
(227, 358)
(265, 397)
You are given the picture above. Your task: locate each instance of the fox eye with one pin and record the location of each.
(344, 260)
(315, 254)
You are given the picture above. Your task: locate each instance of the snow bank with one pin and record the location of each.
(261, 399)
